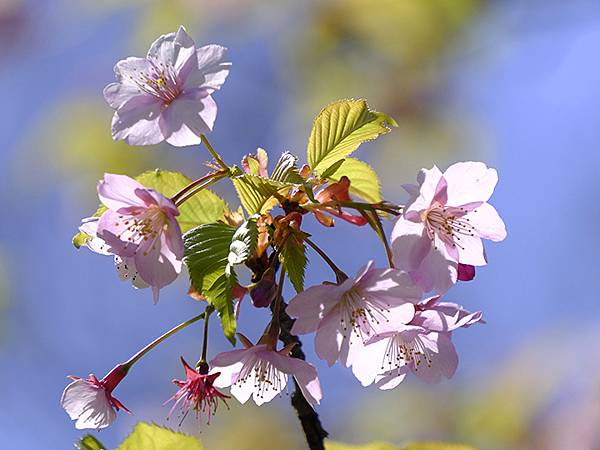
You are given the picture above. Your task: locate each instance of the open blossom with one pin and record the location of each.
(345, 316)
(140, 227)
(90, 401)
(423, 347)
(167, 95)
(261, 372)
(197, 392)
(443, 224)
(125, 267)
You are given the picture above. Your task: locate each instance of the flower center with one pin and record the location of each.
(160, 81)
(359, 314)
(144, 226)
(400, 352)
(264, 375)
(448, 223)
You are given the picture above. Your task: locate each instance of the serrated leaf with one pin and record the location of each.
(293, 259)
(80, 239)
(286, 169)
(203, 207)
(340, 128)
(89, 442)
(327, 173)
(364, 182)
(257, 194)
(206, 256)
(153, 437)
(243, 242)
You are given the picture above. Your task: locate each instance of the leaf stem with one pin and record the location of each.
(339, 274)
(195, 183)
(193, 192)
(214, 154)
(383, 237)
(131, 361)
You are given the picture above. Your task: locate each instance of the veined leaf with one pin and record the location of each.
(206, 256)
(153, 437)
(364, 182)
(293, 259)
(203, 207)
(340, 128)
(243, 242)
(286, 169)
(257, 194)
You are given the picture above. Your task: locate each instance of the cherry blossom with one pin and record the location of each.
(168, 94)
(90, 401)
(444, 222)
(423, 347)
(140, 227)
(261, 372)
(345, 316)
(197, 392)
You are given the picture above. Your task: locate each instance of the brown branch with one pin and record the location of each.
(311, 424)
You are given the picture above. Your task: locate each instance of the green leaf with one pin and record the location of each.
(153, 437)
(257, 194)
(327, 173)
(293, 259)
(286, 169)
(80, 239)
(364, 182)
(243, 242)
(340, 128)
(206, 256)
(89, 442)
(203, 207)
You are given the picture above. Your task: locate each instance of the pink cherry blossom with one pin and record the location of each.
(345, 316)
(423, 347)
(90, 401)
(261, 372)
(125, 267)
(140, 227)
(444, 222)
(197, 392)
(168, 94)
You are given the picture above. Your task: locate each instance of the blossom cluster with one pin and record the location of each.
(384, 323)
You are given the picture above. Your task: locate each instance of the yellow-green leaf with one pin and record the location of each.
(257, 194)
(89, 442)
(340, 128)
(364, 182)
(203, 207)
(152, 437)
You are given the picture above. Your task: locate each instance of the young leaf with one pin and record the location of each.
(153, 437)
(293, 259)
(203, 207)
(89, 442)
(340, 128)
(286, 169)
(364, 182)
(206, 256)
(243, 242)
(257, 194)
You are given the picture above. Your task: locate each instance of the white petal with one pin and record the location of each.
(469, 182)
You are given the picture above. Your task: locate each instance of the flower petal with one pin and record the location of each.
(118, 191)
(191, 114)
(311, 305)
(137, 121)
(470, 182)
(487, 222)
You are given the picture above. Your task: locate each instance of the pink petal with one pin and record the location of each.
(368, 364)
(428, 183)
(311, 305)
(470, 251)
(212, 71)
(306, 376)
(328, 339)
(137, 121)
(487, 222)
(191, 114)
(470, 182)
(118, 191)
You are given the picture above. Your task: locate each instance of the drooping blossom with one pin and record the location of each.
(125, 267)
(168, 94)
(261, 372)
(90, 401)
(423, 347)
(444, 222)
(197, 392)
(140, 227)
(328, 197)
(345, 316)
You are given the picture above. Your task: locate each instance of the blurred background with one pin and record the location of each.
(512, 83)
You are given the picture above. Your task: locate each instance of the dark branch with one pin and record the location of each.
(313, 430)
